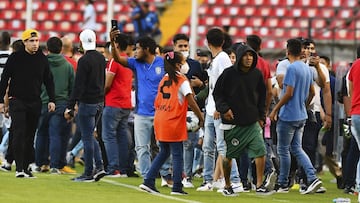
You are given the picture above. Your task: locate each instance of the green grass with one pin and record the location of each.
(59, 188)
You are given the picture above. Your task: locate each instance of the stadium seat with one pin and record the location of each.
(64, 26)
(255, 22)
(249, 11)
(40, 15)
(17, 24)
(18, 5)
(67, 5)
(3, 24)
(47, 25)
(49, 6)
(216, 10)
(100, 7)
(326, 13)
(4, 4)
(8, 14)
(74, 17)
(57, 16)
(272, 22)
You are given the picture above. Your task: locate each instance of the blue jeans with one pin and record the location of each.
(143, 129)
(87, 121)
(189, 146)
(59, 131)
(355, 129)
(42, 138)
(176, 150)
(213, 140)
(115, 137)
(289, 140)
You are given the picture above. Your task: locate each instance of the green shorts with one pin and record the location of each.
(245, 138)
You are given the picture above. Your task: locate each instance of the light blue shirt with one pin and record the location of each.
(300, 77)
(147, 77)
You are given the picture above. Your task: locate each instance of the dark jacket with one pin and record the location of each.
(27, 72)
(89, 79)
(242, 92)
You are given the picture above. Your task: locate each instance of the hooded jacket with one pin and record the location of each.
(63, 74)
(242, 92)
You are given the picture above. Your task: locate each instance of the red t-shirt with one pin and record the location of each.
(170, 114)
(354, 77)
(264, 67)
(72, 62)
(119, 95)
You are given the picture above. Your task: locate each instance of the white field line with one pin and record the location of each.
(138, 189)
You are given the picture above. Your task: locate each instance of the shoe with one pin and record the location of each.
(100, 173)
(149, 189)
(321, 190)
(132, 174)
(270, 180)
(205, 186)
(349, 190)
(313, 186)
(55, 171)
(281, 189)
(187, 183)
(166, 182)
(28, 174)
(83, 178)
(340, 182)
(262, 190)
(219, 184)
(229, 192)
(79, 161)
(70, 160)
(67, 170)
(20, 174)
(246, 186)
(181, 192)
(237, 187)
(6, 167)
(44, 168)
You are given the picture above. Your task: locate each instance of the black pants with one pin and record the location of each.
(25, 117)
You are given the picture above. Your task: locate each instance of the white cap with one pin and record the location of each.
(88, 39)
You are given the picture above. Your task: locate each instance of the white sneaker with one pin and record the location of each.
(206, 186)
(237, 187)
(187, 183)
(219, 184)
(166, 183)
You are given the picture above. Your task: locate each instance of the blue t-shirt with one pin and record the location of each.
(148, 77)
(300, 77)
(151, 20)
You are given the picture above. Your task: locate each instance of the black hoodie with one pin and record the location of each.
(242, 92)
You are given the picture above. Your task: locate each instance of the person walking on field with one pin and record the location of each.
(25, 71)
(171, 104)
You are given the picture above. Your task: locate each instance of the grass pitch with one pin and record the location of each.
(59, 188)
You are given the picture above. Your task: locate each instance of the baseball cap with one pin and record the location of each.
(88, 39)
(29, 33)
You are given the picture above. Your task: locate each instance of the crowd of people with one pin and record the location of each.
(121, 110)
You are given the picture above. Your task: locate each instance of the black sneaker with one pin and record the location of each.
(181, 192)
(6, 168)
(270, 180)
(321, 190)
(149, 189)
(20, 174)
(281, 189)
(340, 182)
(229, 192)
(29, 174)
(313, 186)
(99, 173)
(262, 190)
(246, 186)
(83, 178)
(349, 190)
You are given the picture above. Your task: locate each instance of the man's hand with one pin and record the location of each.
(51, 106)
(273, 115)
(113, 34)
(2, 108)
(261, 123)
(196, 82)
(216, 115)
(68, 114)
(229, 115)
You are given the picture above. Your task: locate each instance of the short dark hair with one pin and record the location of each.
(215, 37)
(123, 41)
(326, 58)
(54, 45)
(254, 42)
(18, 45)
(147, 42)
(294, 47)
(180, 37)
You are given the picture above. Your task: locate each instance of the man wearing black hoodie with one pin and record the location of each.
(239, 96)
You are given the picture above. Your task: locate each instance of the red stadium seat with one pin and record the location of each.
(18, 5)
(36, 5)
(296, 12)
(8, 14)
(302, 23)
(4, 4)
(57, 16)
(310, 12)
(203, 10)
(185, 29)
(17, 24)
(40, 15)
(49, 6)
(47, 25)
(74, 17)
(233, 11)
(3, 24)
(249, 11)
(287, 23)
(64, 26)
(255, 22)
(326, 13)
(100, 7)
(67, 5)
(319, 23)
(271, 22)
(216, 10)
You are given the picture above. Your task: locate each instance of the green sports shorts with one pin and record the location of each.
(245, 138)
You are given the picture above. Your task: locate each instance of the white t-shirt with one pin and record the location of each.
(91, 23)
(217, 66)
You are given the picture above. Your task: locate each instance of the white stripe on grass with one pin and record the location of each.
(138, 189)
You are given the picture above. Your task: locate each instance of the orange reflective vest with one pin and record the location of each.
(170, 114)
